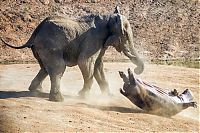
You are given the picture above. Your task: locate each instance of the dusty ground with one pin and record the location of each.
(20, 112)
(162, 29)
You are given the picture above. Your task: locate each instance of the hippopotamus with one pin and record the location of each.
(153, 99)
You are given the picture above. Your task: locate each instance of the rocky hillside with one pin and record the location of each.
(163, 29)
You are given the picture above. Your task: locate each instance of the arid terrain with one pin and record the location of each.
(22, 112)
(162, 30)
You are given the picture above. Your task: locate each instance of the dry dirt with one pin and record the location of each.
(164, 29)
(21, 112)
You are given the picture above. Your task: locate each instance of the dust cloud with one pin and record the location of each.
(95, 98)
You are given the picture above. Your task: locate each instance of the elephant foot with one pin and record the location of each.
(35, 89)
(107, 94)
(83, 94)
(36, 93)
(56, 97)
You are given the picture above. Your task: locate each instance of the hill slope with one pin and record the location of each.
(164, 29)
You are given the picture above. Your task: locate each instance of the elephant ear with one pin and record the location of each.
(117, 10)
(112, 41)
(115, 29)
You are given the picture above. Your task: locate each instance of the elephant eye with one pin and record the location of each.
(126, 26)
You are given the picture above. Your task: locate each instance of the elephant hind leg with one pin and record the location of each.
(36, 84)
(55, 70)
(55, 94)
(54, 65)
(100, 77)
(87, 70)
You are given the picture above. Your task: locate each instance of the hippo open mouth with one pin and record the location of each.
(155, 99)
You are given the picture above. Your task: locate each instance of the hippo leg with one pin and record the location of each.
(174, 93)
(186, 105)
(190, 104)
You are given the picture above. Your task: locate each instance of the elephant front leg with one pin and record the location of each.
(87, 70)
(100, 76)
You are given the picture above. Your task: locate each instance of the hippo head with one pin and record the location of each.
(132, 89)
(129, 83)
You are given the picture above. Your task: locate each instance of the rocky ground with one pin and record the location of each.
(20, 112)
(163, 29)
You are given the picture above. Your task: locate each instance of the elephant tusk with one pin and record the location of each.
(128, 54)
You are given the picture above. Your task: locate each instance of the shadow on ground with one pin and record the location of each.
(18, 94)
(117, 109)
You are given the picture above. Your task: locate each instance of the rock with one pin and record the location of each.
(94, 1)
(45, 2)
(59, 1)
(91, 1)
(26, 18)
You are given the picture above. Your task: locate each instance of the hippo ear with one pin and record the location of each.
(131, 77)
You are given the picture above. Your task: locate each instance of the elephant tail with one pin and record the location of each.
(15, 47)
(30, 42)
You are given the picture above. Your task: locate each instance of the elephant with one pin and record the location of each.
(60, 41)
(154, 99)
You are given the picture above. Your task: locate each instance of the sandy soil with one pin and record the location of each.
(21, 112)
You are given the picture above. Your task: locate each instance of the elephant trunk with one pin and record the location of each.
(131, 53)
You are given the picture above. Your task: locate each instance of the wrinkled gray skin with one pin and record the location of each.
(154, 99)
(58, 42)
